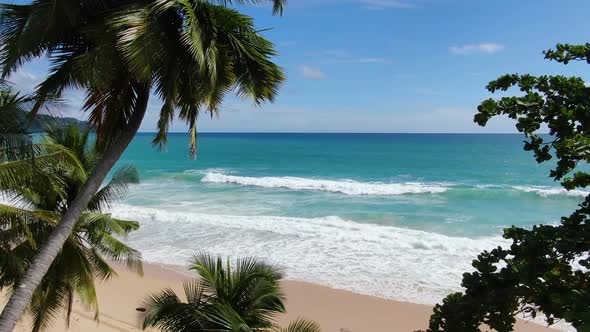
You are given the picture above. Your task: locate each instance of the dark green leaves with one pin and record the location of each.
(546, 268)
(243, 295)
(562, 104)
(565, 53)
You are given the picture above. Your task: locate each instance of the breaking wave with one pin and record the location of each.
(347, 187)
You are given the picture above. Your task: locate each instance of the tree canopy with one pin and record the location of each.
(546, 269)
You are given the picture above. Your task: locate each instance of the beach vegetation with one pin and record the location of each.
(243, 295)
(546, 269)
(188, 54)
(32, 206)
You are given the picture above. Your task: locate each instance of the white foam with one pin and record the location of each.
(348, 187)
(549, 191)
(389, 262)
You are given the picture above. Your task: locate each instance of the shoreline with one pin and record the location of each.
(334, 309)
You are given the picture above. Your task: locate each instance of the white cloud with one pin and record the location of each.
(70, 105)
(382, 4)
(24, 81)
(312, 72)
(488, 48)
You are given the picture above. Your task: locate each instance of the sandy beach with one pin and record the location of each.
(335, 310)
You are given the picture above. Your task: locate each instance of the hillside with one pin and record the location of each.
(43, 119)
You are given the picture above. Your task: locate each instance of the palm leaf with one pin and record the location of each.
(224, 317)
(167, 312)
(46, 305)
(278, 5)
(97, 229)
(15, 222)
(115, 189)
(301, 325)
(102, 268)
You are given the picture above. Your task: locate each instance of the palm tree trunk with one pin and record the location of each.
(20, 299)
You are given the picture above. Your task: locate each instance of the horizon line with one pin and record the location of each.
(339, 132)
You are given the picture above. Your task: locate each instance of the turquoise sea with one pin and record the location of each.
(394, 215)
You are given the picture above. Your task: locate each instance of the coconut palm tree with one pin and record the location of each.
(240, 297)
(33, 213)
(20, 158)
(14, 141)
(12, 109)
(188, 53)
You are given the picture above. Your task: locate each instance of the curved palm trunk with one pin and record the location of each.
(20, 299)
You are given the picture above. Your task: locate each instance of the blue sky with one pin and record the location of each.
(389, 65)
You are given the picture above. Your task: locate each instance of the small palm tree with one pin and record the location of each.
(240, 297)
(12, 111)
(21, 160)
(35, 210)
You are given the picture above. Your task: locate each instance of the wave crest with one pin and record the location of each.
(347, 187)
(548, 191)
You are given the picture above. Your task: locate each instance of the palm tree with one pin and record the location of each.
(14, 141)
(189, 53)
(12, 110)
(240, 297)
(35, 210)
(20, 158)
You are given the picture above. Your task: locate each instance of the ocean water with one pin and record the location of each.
(399, 216)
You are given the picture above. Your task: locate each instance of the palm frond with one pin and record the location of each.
(224, 317)
(102, 269)
(12, 112)
(16, 223)
(193, 290)
(97, 229)
(210, 270)
(301, 325)
(13, 174)
(168, 313)
(74, 139)
(278, 6)
(79, 271)
(13, 259)
(196, 52)
(115, 189)
(46, 305)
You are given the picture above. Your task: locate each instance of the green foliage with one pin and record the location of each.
(21, 161)
(11, 112)
(36, 206)
(546, 269)
(191, 52)
(236, 296)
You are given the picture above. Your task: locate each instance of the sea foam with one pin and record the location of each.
(347, 187)
(385, 261)
(549, 191)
